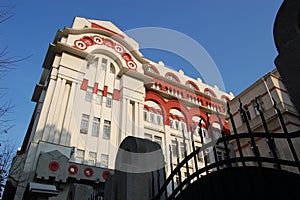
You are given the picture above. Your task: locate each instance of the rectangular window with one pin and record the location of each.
(104, 63)
(171, 123)
(145, 114)
(92, 158)
(148, 136)
(108, 100)
(96, 127)
(104, 161)
(174, 148)
(98, 99)
(151, 116)
(88, 96)
(106, 129)
(84, 124)
(182, 149)
(158, 139)
(79, 156)
(158, 118)
(176, 124)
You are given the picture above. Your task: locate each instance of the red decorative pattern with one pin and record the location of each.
(53, 166)
(88, 172)
(188, 113)
(86, 41)
(193, 84)
(73, 169)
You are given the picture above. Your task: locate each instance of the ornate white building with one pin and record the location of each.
(97, 88)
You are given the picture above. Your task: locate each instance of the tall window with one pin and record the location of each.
(84, 124)
(182, 149)
(247, 112)
(145, 114)
(88, 96)
(182, 124)
(151, 116)
(106, 129)
(98, 99)
(104, 161)
(104, 63)
(112, 69)
(158, 118)
(174, 148)
(79, 156)
(176, 124)
(108, 100)
(171, 122)
(96, 127)
(92, 158)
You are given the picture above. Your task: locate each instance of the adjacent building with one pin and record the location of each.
(95, 90)
(266, 92)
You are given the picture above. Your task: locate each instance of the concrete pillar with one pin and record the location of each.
(53, 122)
(61, 117)
(65, 133)
(51, 110)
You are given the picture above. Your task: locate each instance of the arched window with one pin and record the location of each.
(172, 77)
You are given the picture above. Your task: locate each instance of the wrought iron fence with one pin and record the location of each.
(176, 182)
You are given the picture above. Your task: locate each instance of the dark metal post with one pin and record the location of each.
(252, 141)
(171, 166)
(286, 132)
(177, 153)
(225, 143)
(202, 142)
(235, 133)
(194, 149)
(270, 140)
(213, 138)
(185, 155)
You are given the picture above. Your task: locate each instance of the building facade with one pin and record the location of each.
(266, 92)
(95, 90)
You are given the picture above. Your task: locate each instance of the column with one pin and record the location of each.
(58, 129)
(51, 110)
(65, 128)
(54, 121)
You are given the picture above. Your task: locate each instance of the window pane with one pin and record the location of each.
(148, 136)
(106, 129)
(145, 114)
(151, 116)
(92, 158)
(158, 139)
(112, 69)
(104, 63)
(104, 161)
(174, 148)
(96, 127)
(98, 99)
(84, 124)
(88, 96)
(79, 155)
(108, 100)
(158, 118)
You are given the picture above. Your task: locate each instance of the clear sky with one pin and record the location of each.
(237, 34)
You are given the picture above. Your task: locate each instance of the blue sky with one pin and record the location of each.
(237, 34)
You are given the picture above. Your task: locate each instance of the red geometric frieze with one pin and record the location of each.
(87, 41)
